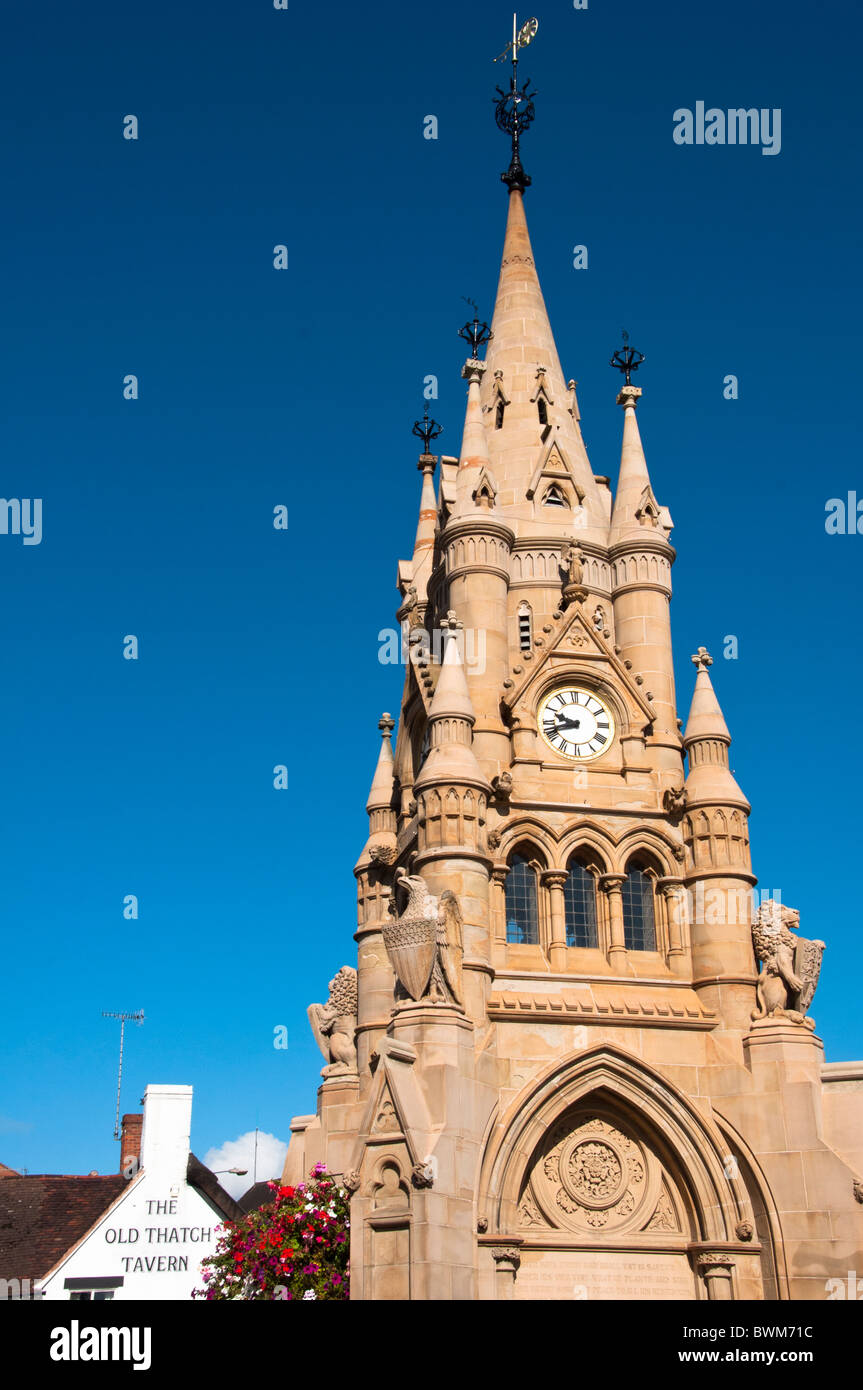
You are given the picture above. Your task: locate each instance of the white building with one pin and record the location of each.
(150, 1240)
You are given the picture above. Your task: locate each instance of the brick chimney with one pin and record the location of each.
(130, 1143)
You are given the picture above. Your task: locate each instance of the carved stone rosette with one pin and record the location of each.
(589, 1175)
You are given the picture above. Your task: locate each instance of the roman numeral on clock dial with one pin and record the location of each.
(576, 723)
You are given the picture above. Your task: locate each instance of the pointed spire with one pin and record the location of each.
(380, 847)
(634, 491)
(706, 741)
(381, 793)
(426, 526)
(522, 353)
(451, 718)
(706, 719)
(474, 449)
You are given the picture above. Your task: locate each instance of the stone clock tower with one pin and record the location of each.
(572, 1062)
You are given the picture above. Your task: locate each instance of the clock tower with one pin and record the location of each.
(560, 1073)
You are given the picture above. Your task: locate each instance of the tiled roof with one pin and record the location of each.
(258, 1195)
(8, 1172)
(41, 1217)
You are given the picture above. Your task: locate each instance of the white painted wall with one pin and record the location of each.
(159, 1230)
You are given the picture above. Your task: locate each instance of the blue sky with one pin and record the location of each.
(260, 387)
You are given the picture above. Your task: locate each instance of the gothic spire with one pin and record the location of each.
(451, 718)
(381, 793)
(706, 740)
(529, 409)
(634, 503)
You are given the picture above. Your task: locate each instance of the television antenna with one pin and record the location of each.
(137, 1016)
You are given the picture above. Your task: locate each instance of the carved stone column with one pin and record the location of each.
(506, 1262)
(497, 904)
(672, 891)
(554, 880)
(612, 885)
(715, 1268)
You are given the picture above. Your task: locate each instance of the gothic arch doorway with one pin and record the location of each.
(605, 1182)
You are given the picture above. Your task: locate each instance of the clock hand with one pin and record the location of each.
(568, 723)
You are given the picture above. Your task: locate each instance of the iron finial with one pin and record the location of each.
(627, 359)
(476, 333)
(426, 429)
(514, 110)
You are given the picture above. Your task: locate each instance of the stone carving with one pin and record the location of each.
(674, 801)
(425, 943)
(422, 1175)
(857, 1189)
(386, 1120)
(382, 854)
(494, 838)
(789, 966)
(744, 1230)
(573, 566)
(482, 1225)
(351, 1180)
(663, 1219)
(502, 788)
(334, 1024)
(591, 1177)
(507, 1255)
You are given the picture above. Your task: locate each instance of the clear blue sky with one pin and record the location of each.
(260, 387)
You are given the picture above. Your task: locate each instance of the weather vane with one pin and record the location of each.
(627, 359)
(476, 333)
(426, 430)
(513, 110)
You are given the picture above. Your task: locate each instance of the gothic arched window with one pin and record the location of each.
(579, 900)
(639, 923)
(522, 904)
(542, 411)
(555, 497)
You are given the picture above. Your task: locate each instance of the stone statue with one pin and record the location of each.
(334, 1024)
(575, 565)
(425, 943)
(789, 966)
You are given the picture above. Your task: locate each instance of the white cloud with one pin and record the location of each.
(240, 1153)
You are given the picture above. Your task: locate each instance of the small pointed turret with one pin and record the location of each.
(423, 556)
(381, 844)
(707, 740)
(381, 793)
(635, 507)
(474, 459)
(451, 719)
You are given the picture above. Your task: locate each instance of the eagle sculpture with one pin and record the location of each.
(425, 942)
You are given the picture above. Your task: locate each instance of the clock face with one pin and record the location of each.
(575, 723)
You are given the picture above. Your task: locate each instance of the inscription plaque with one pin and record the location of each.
(603, 1274)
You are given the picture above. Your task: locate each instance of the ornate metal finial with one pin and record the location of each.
(627, 359)
(426, 429)
(702, 659)
(386, 724)
(513, 110)
(476, 333)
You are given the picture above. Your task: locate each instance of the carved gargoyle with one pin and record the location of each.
(502, 788)
(790, 966)
(334, 1024)
(674, 801)
(425, 943)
